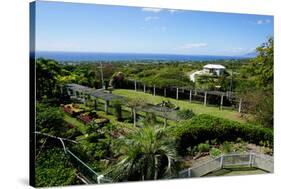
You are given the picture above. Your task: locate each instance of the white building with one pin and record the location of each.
(212, 69)
(215, 69)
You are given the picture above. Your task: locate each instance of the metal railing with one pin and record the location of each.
(259, 161)
(88, 173)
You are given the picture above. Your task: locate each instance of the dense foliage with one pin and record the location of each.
(256, 85)
(49, 120)
(205, 127)
(47, 73)
(185, 114)
(53, 169)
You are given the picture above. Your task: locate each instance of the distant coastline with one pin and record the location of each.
(101, 56)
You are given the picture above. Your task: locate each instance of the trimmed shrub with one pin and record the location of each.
(203, 147)
(205, 127)
(215, 152)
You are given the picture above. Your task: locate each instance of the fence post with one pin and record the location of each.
(250, 159)
(106, 104)
(221, 102)
(221, 163)
(135, 85)
(165, 122)
(61, 91)
(154, 92)
(205, 98)
(189, 172)
(164, 92)
(99, 178)
(84, 98)
(144, 88)
(95, 104)
(190, 95)
(177, 96)
(240, 105)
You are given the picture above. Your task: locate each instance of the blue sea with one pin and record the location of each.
(95, 56)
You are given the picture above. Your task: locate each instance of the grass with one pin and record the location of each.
(197, 108)
(82, 127)
(236, 171)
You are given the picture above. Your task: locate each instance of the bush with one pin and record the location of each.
(185, 114)
(203, 147)
(215, 152)
(150, 118)
(49, 120)
(227, 147)
(53, 169)
(205, 127)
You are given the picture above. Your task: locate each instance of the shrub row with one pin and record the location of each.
(205, 127)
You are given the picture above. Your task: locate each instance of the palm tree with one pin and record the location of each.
(146, 153)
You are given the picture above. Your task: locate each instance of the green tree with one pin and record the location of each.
(145, 154)
(258, 98)
(47, 74)
(117, 80)
(49, 120)
(262, 66)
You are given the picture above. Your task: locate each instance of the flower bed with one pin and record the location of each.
(68, 110)
(72, 109)
(85, 118)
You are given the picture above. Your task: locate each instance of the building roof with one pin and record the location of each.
(214, 66)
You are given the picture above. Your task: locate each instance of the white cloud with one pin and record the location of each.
(149, 18)
(267, 21)
(237, 49)
(155, 10)
(193, 45)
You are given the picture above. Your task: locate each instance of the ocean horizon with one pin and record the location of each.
(102, 56)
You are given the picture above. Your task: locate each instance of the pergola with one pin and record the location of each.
(96, 93)
(164, 112)
(227, 94)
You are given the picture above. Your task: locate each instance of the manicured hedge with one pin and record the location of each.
(205, 127)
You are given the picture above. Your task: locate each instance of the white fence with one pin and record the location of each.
(259, 161)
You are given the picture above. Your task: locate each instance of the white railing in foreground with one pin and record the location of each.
(259, 161)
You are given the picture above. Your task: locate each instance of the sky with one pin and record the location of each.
(73, 27)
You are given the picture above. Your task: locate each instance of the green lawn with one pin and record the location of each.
(82, 127)
(197, 108)
(236, 171)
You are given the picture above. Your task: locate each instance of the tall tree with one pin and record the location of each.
(258, 96)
